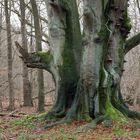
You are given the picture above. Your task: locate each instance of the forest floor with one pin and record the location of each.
(25, 124)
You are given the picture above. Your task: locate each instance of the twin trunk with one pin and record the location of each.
(87, 68)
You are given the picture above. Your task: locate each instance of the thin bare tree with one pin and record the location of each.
(9, 53)
(27, 98)
(38, 37)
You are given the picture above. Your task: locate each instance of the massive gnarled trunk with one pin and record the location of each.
(86, 67)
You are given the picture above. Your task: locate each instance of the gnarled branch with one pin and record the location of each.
(32, 60)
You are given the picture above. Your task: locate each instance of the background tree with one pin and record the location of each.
(38, 38)
(27, 98)
(17, 65)
(9, 53)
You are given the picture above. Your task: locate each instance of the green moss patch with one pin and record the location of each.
(46, 57)
(28, 121)
(113, 113)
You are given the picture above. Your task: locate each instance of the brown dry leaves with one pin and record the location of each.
(65, 131)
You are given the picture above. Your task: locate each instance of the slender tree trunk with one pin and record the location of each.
(9, 53)
(27, 97)
(31, 49)
(38, 37)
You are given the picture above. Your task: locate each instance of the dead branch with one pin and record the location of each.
(13, 114)
(10, 115)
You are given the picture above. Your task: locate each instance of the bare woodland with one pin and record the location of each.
(79, 59)
(23, 35)
(24, 31)
(130, 81)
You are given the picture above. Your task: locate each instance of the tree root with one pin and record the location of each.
(53, 116)
(96, 121)
(126, 111)
(91, 125)
(55, 113)
(57, 123)
(130, 113)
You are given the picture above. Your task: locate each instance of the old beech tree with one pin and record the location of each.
(87, 63)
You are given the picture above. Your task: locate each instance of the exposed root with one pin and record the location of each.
(125, 111)
(130, 113)
(96, 121)
(133, 114)
(55, 113)
(57, 123)
(61, 114)
(71, 114)
(108, 122)
(91, 125)
(50, 117)
(53, 117)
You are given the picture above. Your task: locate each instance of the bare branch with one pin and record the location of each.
(132, 42)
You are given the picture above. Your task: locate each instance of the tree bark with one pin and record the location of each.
(27, 98)
(9, 53)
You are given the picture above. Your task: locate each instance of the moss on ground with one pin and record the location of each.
(28, 121)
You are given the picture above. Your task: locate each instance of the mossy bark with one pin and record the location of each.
(66, 43)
